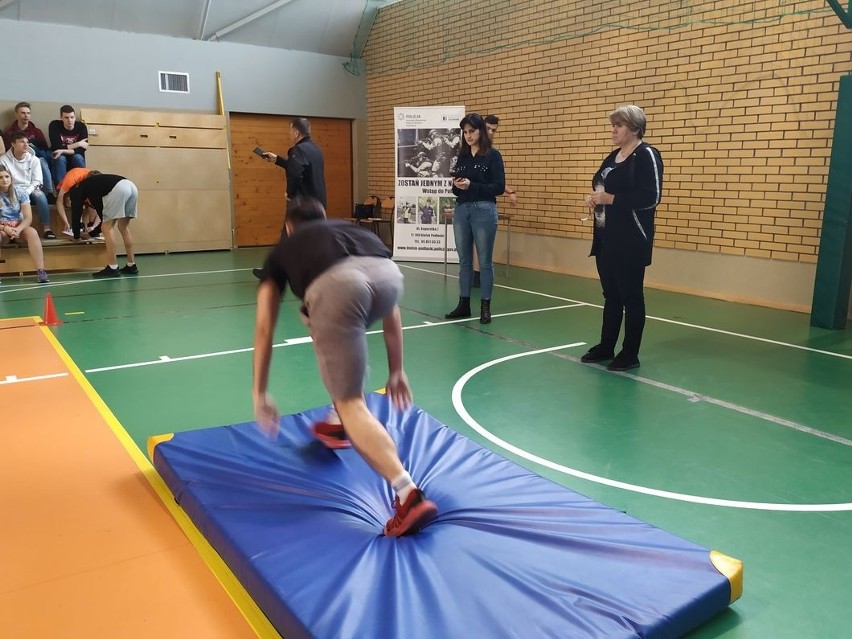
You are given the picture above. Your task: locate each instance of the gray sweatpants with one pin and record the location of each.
(341, 304)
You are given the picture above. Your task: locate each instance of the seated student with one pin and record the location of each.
(26, 169)
(72, 179)
(114, 198)
(16, 219)
(38, 143)
(69, 140)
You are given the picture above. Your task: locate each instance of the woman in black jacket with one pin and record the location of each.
(478, 178)
(626, 191)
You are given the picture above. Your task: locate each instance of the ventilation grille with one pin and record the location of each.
(171, 82)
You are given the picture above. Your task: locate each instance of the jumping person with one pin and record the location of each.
(346, 280)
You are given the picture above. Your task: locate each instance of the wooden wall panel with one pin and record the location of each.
(259, 187)
(123, 135)
(192, 138)
(152, 118)
(150, 168)
(183, 179)
(96, 116)
(173, 221)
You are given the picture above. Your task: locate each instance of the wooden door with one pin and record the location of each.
(260, 187)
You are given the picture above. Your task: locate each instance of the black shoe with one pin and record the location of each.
(597, 353)
(127, 269)
(623, 362)
(485, 311)
(49, 235)
(462, 310)
(107, 271)
(259, 273)
(476, 280)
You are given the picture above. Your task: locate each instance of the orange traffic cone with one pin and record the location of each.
(50, 318)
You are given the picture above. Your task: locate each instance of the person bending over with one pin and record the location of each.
(346, 280)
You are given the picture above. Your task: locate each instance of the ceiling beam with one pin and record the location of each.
(249, 18)
(202, 24)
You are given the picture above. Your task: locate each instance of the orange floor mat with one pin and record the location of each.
(87, 549)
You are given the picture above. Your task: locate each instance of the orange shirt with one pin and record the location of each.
(72, 179)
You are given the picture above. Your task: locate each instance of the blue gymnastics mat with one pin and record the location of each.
(511, 554)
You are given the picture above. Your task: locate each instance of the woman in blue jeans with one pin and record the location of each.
(478, 178)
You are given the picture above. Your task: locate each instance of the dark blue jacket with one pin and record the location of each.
(305, 170)
(637, 186)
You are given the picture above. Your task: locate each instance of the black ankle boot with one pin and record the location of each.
(462, 310)
(485, 311)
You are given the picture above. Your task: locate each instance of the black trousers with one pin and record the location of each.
(624, 297)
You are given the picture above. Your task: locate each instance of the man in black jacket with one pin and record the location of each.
(304, 167)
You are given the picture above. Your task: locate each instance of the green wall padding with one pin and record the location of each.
(834, 265)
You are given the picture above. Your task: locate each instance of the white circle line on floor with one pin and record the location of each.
(696, 499)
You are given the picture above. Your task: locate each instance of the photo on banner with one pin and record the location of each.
(428, 140)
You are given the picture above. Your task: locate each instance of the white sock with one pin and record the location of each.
(113, 266)
(131, 263)
(403, 485)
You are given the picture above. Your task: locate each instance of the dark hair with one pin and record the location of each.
(22, 104)
(17, 135)
(93, 172)
(492, 119)
(304, 208)
(302, 125)
(475, 120)
(66, 108)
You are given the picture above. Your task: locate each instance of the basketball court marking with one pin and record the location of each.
(571, 303)
(14, 379)
(652, 317)
(458, 404)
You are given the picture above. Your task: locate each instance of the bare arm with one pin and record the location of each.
(27, 212)
(513, 198)
(397, 386)
(268, 303)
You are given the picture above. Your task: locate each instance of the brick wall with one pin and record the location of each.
(740, 98)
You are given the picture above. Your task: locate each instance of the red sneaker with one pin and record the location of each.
(332, 435)
(410, 517)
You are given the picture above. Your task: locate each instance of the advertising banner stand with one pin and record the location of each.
(428, 140)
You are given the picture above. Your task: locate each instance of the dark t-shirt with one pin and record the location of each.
(60, 137)
(91, 190)
(314, 248)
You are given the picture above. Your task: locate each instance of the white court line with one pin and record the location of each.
(14, 379)
(696, 499)
(89, 280)
(652, 317)
(293, 341)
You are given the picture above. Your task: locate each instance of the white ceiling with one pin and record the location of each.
(332, 27)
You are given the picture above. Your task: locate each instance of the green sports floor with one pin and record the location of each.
(736, 432)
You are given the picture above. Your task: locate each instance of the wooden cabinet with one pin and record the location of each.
(179, 163)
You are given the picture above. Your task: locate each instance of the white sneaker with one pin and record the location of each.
(68, 232)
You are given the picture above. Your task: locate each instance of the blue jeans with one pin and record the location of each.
(475, 223)
(65, 162)
(39, 201)
(45, 158)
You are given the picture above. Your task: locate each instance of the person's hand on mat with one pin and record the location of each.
(266, 414)
(399, 390)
